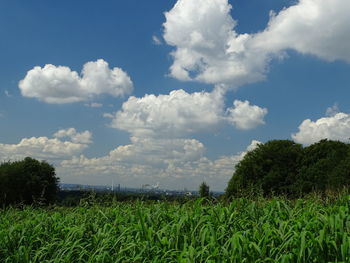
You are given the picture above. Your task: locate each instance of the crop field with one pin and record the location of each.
(274, 230)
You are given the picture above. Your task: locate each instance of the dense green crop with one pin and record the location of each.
(243, 231)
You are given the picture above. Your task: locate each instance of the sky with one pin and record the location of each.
(175, 92)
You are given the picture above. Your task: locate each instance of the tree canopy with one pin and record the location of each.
(204, 190)
(27, 181)
(285, 167)
(325, 165)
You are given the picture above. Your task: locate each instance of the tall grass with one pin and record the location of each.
(274, 230)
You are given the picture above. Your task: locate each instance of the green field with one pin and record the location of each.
(274, 230)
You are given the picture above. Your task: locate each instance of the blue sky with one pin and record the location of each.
(173, 92)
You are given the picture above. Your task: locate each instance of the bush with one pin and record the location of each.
(27, 181)
(285, 167)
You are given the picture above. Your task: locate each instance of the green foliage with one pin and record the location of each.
(75, 198)
(271, 168)
(274, 230)
(284, 167)
(204, 190)
(27, 181)
(325, 165)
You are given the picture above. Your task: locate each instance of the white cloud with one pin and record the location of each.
(93, 105)
(180, 113)
(59, 84)
(76, 137)
(336, 127)
(253, 144)
(175, 163)
(159, 149)
(174, 115)
(47, 148)
(317, 27)
(98, 79)
(140, 162)
(156, 40)
(207, 48)
(245, 116)
(150, 151)
(331, 111)
(108, 115)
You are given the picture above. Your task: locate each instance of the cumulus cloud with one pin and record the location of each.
(336, 127)
(207, 47)
(76, 137)
(174, 115)
(209, 50)
(245, 116)
(160, 149)
(59, 84)
(150, 151)
(47, 148)
(317, 27)
(180, 113)
(142, 161)
(163, 160)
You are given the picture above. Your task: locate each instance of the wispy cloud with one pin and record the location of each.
(93, 105)
(108, 115)
(331, 111)
(7, 93)
(156, 40)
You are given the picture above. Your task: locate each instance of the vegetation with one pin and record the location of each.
(275, 230)
(261, 228)
(285, 167)
(204, 190)
(325, 165)
(75, 198)
(27, 181)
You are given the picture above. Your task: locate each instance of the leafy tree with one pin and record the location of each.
(324, 165)
(271, 167)
(27, 181)
(204, 190)
(285, 167)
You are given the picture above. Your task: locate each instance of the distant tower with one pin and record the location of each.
(112, 185)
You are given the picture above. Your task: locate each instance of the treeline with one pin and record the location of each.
(283, 167)
(277, 167)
